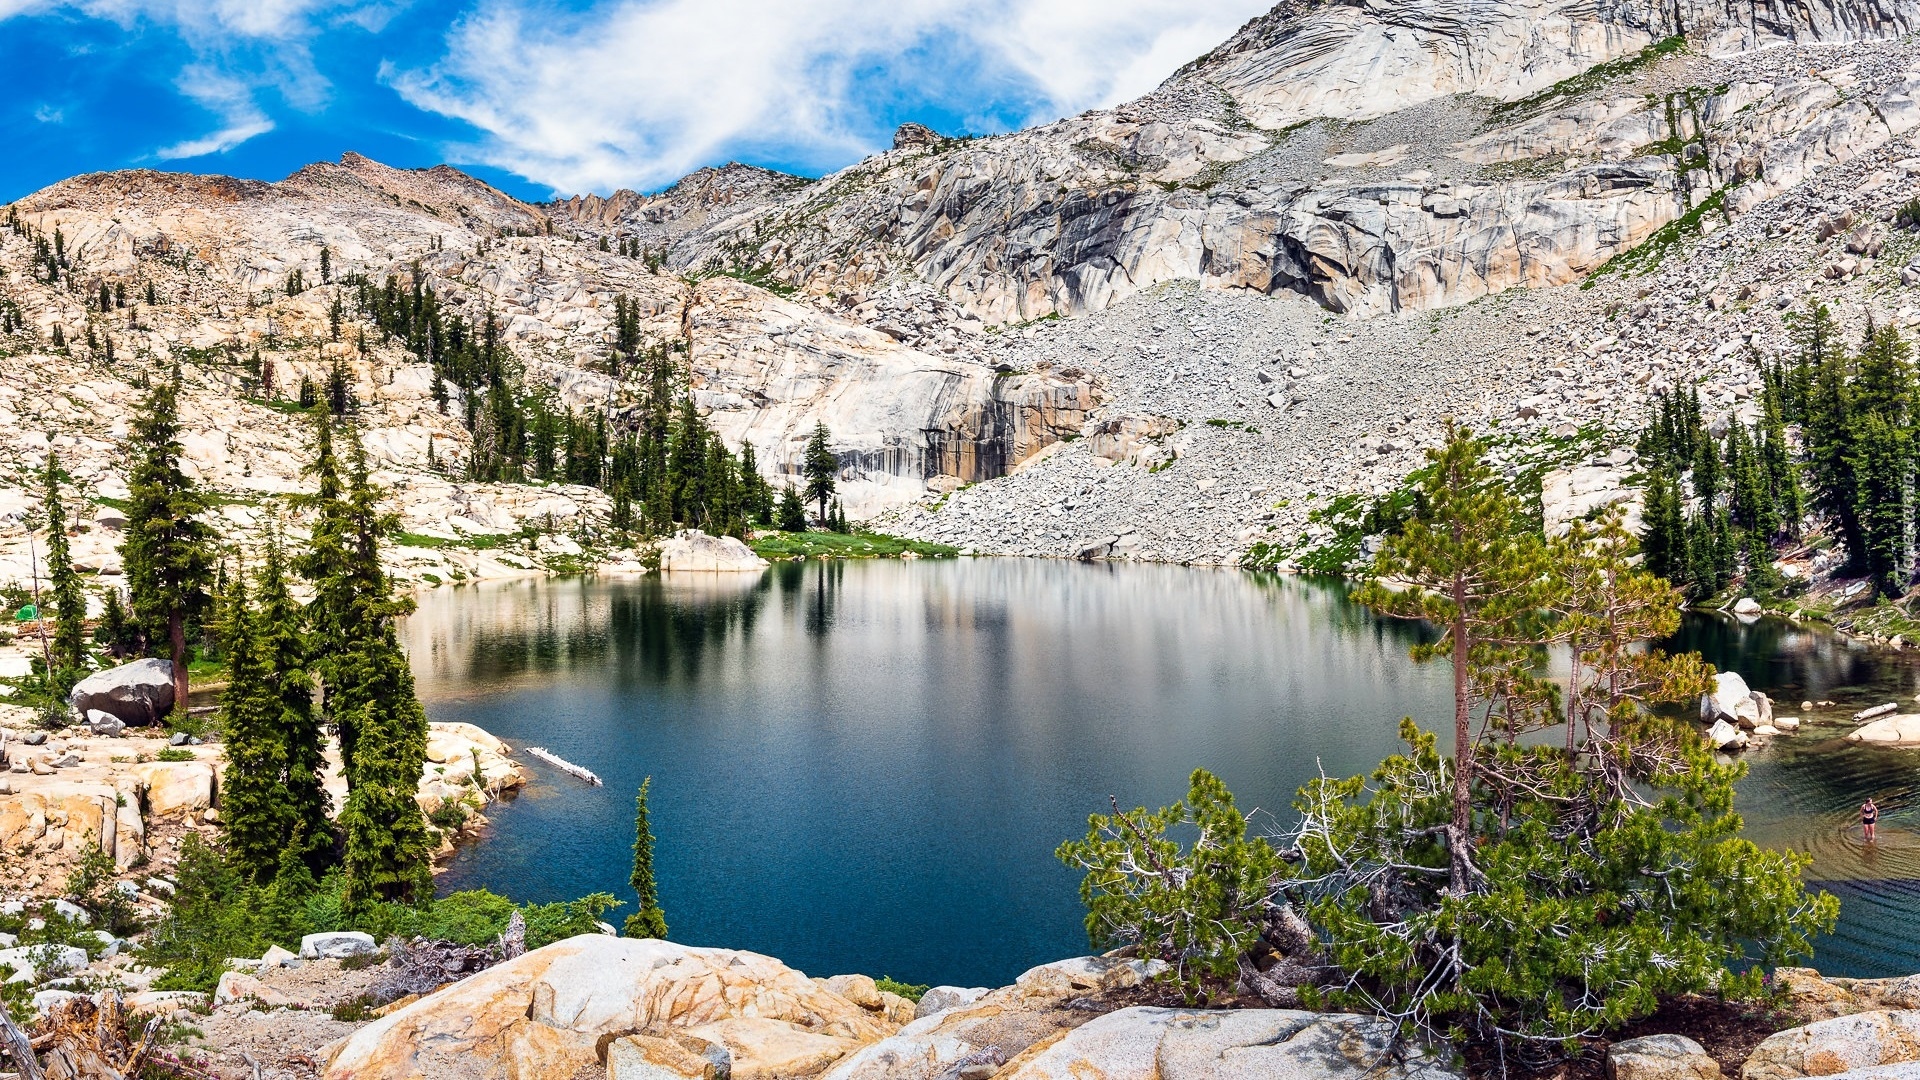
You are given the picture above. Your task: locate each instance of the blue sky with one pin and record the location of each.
(545, 97)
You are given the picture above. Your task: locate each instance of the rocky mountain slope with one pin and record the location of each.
(1166, 330)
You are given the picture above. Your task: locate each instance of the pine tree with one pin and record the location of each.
(283, 908)
(1473, 572)
(369, 692)
(283, 645)
(1665, 540)
(326, 272)
(820, 465)
(792, 516)
(1882, 464)
(167, 551)
(649, 921)
(118, 632)
(65, 596)
(254, 811)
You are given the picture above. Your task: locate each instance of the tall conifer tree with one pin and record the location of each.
(167, 551)
(253, 799)
(65, 597)
(649, 921)
(820, 465)
(370, 691)
(284, 647)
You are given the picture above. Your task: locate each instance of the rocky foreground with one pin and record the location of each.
(601, 1006)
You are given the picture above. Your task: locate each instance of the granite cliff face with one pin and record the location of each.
(1264, 283)
(1376, 157)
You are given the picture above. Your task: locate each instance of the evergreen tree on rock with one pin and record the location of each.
(1472, 572)
(820, 466)
(168, 550)
(650, 921)
(65, 597)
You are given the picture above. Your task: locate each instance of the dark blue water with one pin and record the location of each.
(867, 766)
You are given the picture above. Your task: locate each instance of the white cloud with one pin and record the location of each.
(637, 93)
(242, 47)
(229, 98)
(47, 114)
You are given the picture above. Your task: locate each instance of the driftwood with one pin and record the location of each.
(563, 764)
(14, 1044)
(87, 1040)
(421, 966)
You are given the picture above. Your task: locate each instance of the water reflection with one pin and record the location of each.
(866, 766)
(1804, 791)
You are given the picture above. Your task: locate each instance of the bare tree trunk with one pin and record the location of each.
(177, 638)
(1462, 744)
(17, 1046)
(90, 1042)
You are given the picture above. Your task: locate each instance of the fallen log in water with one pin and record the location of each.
(563, 764)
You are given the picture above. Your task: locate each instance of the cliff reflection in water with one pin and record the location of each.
(866, 766)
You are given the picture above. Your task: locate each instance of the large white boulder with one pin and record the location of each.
(1899, 730)
(175, 787)
(138, 693)
(338, 945)
(1729, 695)
(1660, 1057)
(34, 964)
(1724, 736)
(691, 549)
(1146, 1043)
(549, 1009)
(1839, 1045)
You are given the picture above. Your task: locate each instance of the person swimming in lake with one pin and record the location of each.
(1869, 817)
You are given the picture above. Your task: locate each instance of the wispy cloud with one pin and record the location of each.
(230, 99)
(639, 92)
(47, 114)
(241, 49)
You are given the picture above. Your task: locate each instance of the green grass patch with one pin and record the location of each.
(1594, 78)
(291, 407)
(862, 545)
(175, 753)
(467, 541)
(1644, 257)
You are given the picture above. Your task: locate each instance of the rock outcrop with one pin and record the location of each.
(554, 1008)
(1899, 730)
(1660, 1057)
(1839, 1045)
(691, 550)
(140, 692)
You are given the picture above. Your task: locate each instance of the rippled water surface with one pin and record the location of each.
(866, 766)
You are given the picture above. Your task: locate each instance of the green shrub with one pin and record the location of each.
(1197, 907)
(548, 923)
(911, 991)
(175, 753)
(91, 886)
(216, 915)
(1908, 216)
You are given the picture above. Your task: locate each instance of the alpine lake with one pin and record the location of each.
(866, 766)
